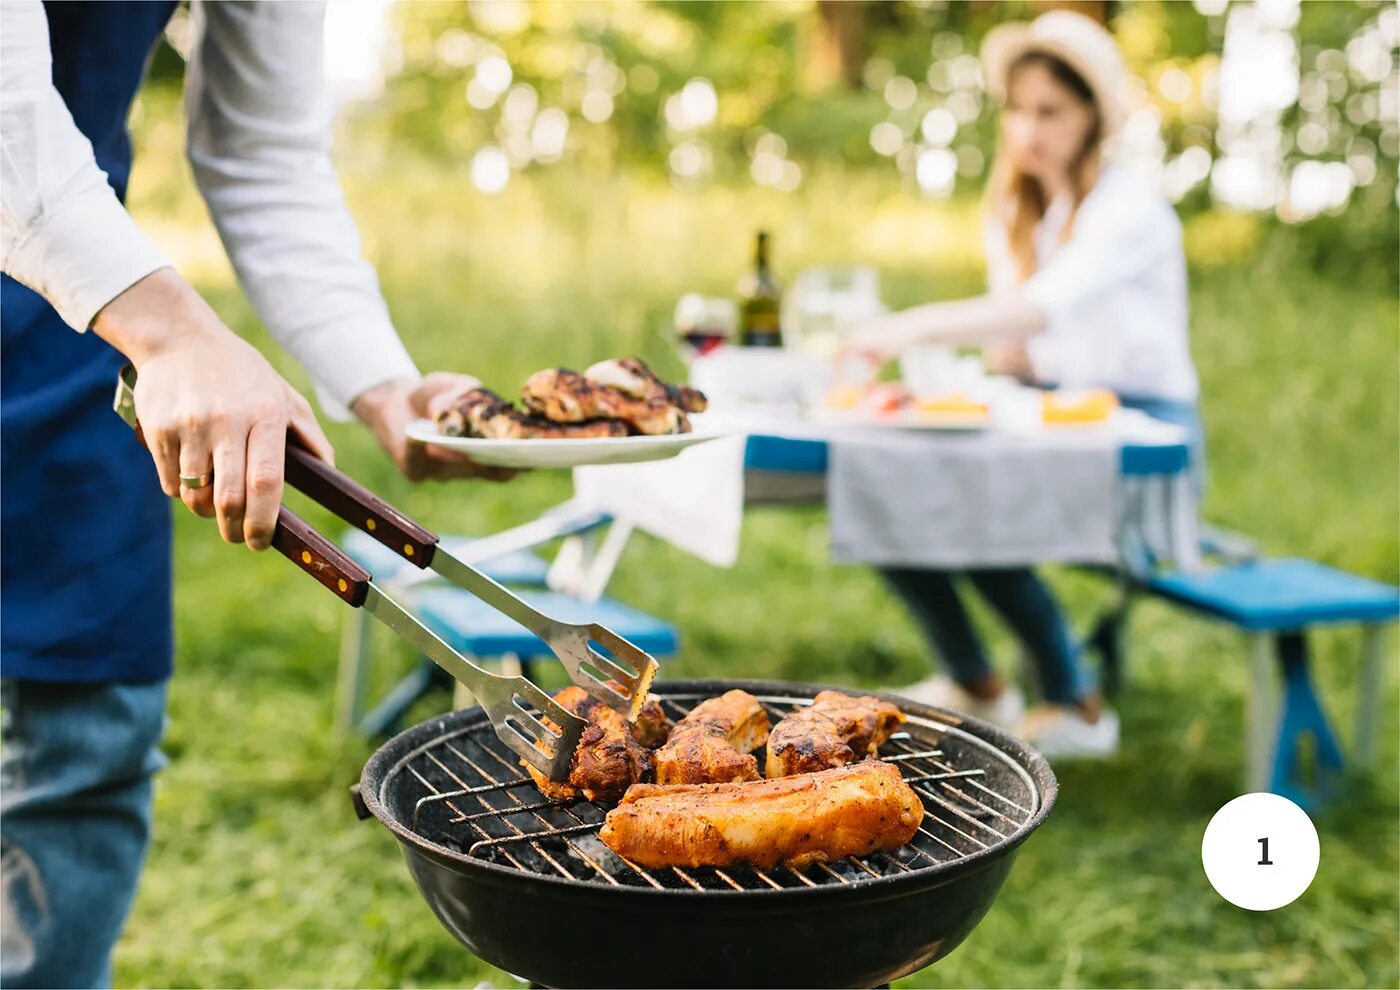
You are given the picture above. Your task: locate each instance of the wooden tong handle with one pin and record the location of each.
(357, 505)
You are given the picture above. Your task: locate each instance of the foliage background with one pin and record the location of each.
(260, 876)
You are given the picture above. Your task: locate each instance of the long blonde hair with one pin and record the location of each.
(1018, 201)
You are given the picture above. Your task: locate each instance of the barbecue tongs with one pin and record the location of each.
(512, 703)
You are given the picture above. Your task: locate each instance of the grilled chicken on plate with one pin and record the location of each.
(483, 413)
(567, 397)
(835, 729)
(715, 742)
(612, 754)
(812, 817)
(631, 377)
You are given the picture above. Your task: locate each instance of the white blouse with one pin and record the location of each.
(1114, 294)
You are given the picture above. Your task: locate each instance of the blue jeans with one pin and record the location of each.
(75, 816)
(1024, 603)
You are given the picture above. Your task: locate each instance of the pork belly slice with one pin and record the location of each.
(815, 817)
(835, 729)
(612, 754)
(715, 742)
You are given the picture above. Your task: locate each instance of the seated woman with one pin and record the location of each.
(1088, 288)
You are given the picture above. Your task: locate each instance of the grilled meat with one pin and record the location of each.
(631, 377)
(816, 817)
(565, 396)
(715, 742)
(483, 413)
(611, 754)
(835, 729)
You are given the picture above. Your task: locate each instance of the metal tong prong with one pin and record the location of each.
(504, 699)
(572, 643)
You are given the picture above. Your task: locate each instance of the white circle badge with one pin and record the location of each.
(1260, 851)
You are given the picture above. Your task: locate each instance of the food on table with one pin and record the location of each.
(834, 730)
(715, 742)
(612, 399)
(568, 397)
(483, 413)
(611, 754)
(1088, 406)
(872, 398)
(631, 377)
(953, 404)
(799, 820)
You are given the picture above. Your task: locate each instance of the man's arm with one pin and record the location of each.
(205, 398)
(259, 144)
(63, 231)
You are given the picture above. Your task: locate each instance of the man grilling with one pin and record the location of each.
(85, 625)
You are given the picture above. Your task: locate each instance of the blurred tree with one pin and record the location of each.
(767, 92)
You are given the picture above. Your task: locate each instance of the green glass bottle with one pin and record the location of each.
(760, 302)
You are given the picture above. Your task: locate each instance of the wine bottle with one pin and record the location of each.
(760, 302)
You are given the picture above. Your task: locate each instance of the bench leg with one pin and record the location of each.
(1302, 718)
(353, 669)
(1259, 714)
(1368, 704)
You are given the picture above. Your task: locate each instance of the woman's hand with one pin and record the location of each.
(390, 406)
(207, 401)
(1009, 359)
(883, 339)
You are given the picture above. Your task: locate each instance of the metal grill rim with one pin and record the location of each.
(1009, 754)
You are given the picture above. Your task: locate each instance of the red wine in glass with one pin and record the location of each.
(704, 341)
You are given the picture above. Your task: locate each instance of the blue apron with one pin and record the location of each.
(84, 527)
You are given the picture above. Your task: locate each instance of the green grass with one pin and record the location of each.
(260, 874)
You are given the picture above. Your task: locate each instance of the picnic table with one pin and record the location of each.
(1118, 494)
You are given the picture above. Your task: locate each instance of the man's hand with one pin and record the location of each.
(390, 406)
(208, 401)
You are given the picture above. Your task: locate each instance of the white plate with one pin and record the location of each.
(908, 420)
(561, 453)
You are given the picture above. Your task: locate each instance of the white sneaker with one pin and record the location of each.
(1063, 733)
(941, 691)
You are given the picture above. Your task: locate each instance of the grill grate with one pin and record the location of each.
(468, 792)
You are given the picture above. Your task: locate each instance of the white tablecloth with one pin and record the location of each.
(945, 500)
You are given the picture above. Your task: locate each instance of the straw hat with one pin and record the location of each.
(1080, 42)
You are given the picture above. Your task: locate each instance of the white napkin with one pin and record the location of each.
(694, 500)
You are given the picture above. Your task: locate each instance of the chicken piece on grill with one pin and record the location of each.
(612, 754)
(715, 742)
(483, 413)
(835, 729)
(813, 817)
(565, 396)
(631, 377)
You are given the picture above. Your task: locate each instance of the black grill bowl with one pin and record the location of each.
(568, 933)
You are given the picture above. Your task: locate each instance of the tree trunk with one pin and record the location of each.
(838, 50)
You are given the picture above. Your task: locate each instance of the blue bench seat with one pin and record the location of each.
(1276, 603)
(1281, 595)
(470, 625)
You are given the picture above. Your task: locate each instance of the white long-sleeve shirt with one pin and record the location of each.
(1114, 294)
(259, 144)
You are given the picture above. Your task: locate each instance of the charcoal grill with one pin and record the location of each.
(493, 857)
